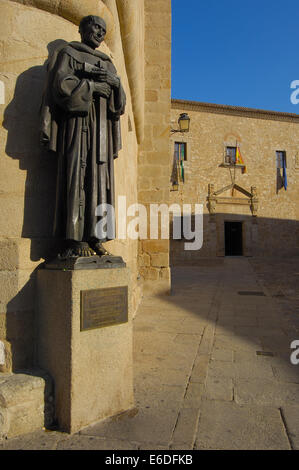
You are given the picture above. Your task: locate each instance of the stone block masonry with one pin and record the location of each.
(154, 156)
(26, 403)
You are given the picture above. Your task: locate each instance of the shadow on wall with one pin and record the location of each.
(22, 121)
(20, 326)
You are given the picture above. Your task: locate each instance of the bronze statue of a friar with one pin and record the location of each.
(81, 111)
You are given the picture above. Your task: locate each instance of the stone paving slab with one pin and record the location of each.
(291, 418)
(243, 370)
(226, 355)
(179, 360)
(286, 373)
(219, 388)
(184, 338)
(238, 344)
(200, 367)
(40, 440)
(185, 431)
(227, 426)
(154, 425)
(257, 356)
(193, 396)
(164, 377)
(206, 343)
(160, 396)
(79, 442)
(265, 392)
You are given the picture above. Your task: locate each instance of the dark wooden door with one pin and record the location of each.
(233, 239)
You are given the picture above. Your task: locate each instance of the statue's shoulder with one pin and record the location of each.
(69, 50)
(75, 53)
(78, 49)
(59, 53)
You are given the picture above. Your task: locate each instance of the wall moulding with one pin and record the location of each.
(214, 198)
(131, 20)
(74, 10)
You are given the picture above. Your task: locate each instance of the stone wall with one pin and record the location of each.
(274, 231)
(154, 157)
(28, 30)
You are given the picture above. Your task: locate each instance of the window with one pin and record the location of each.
(180, 156)
(230, 155)
(180, 151)
(281, 159)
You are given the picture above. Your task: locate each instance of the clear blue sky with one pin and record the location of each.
(237, 52)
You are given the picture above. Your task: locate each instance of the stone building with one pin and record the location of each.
(247, 210)
(139, 42)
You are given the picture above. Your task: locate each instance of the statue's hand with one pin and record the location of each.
(103, 89)
(100, 74)
(107, 77)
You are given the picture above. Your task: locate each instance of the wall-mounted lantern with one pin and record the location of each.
(184, 123)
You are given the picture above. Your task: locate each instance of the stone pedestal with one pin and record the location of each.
(92, 369)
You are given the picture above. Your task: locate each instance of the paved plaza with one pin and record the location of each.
(212, 365)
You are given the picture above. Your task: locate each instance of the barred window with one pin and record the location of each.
(180, 151)
(230, 155)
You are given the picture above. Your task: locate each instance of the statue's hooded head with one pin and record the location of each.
(92, 29)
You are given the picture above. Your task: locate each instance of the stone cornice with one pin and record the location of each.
(233, 110)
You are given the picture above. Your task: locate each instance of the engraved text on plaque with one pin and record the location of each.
(103, 307)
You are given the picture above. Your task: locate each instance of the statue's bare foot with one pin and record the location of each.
(85, 251)
(77, 250)
(99, 249)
